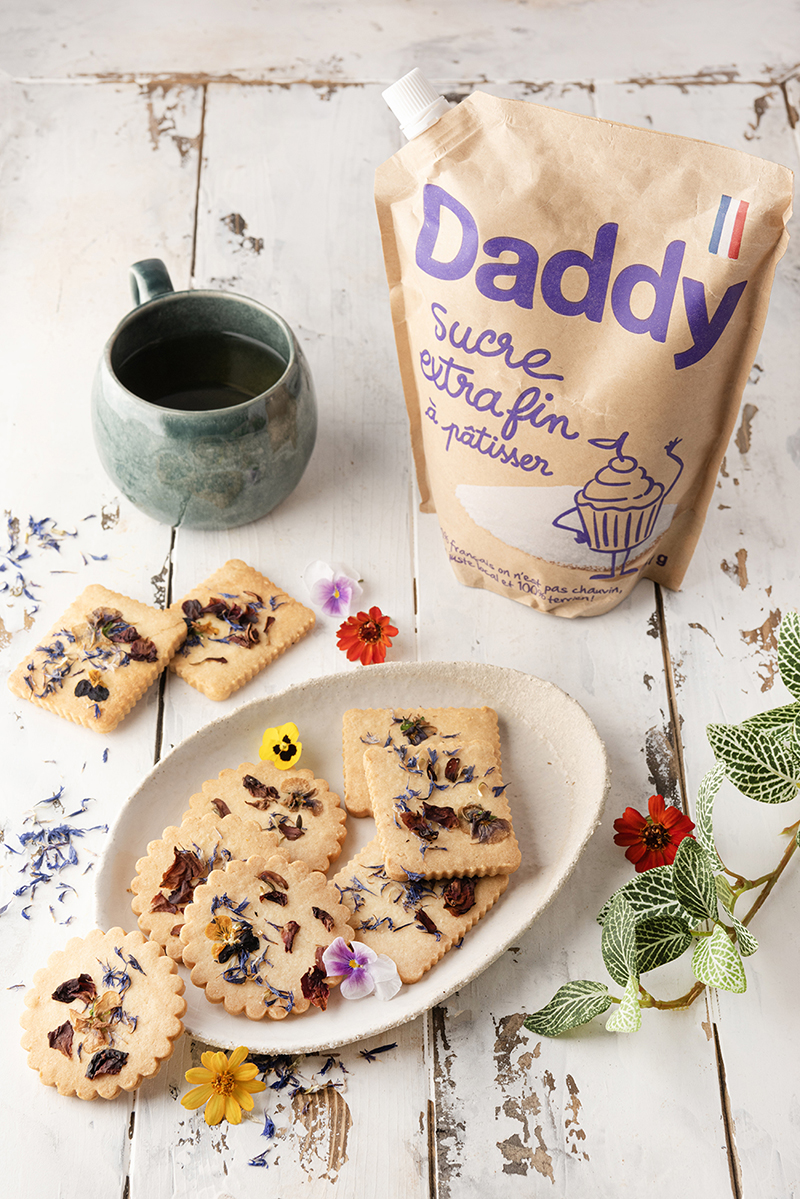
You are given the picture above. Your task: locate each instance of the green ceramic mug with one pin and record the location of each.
(203, 406)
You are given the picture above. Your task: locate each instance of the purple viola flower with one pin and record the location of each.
(332, 588)
(362, 970)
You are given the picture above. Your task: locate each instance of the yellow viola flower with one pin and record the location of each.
(221, 928)
(224, 932)
(226, 1085)
(281, 746)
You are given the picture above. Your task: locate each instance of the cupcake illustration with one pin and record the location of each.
(617, 509)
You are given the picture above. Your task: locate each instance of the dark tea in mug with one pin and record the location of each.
(203, 406)
(200, 372)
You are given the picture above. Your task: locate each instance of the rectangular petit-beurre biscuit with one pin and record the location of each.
(440, 810)
(415, 922)
(99, 658)
(362, 727)
(236, 623)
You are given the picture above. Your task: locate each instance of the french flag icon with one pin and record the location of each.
(726, 236)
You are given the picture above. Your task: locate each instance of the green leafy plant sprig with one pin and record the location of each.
(664, 912)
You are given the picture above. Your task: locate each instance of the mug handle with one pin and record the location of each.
(149, 279)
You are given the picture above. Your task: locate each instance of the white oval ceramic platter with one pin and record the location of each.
(552, 760)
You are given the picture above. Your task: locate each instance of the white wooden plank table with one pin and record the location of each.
(238, 143)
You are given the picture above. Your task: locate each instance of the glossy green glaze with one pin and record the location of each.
(203, 470)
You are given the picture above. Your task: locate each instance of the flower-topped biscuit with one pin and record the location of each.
(103, 1014)
(255, 934)
(98, 659)
(440, 810)
(235, 624)
(362, 727)
(306, 817)
(180, 861)
(414, 922)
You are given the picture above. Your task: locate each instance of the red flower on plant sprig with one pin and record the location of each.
(366, 636)
(652, 840)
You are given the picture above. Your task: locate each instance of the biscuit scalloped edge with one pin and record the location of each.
(147, 952)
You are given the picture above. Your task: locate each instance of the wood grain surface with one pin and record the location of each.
(238, 142)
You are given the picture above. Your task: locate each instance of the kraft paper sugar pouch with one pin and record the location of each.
(577, 305)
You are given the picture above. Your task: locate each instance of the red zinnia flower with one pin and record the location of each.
(366, 636)
(654, 839)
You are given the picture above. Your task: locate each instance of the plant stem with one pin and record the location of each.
(749, 884)
(771, 880)
(666, 1005)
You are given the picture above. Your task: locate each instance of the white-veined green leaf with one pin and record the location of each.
(724, 891)
(618, 942)
(573, 1004)
(759, 763)
(789, 653)
(628, 1016)
(716, 962)
(661, 939)
(693, 880)
(775, 719)
(650, 893)
(744, 938)
(704, 822)
(794, 739)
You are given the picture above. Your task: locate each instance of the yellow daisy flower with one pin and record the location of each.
(226, 1085)
(281, 746)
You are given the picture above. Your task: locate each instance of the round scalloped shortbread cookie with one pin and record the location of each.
(255, 933)
(103, 1014)
(180, 861)
(307, 817)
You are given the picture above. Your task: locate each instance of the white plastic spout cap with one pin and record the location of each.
(415, 102)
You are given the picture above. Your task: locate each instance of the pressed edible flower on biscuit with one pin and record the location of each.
(231, 937)
(94, 1022)
(281, 746)
(366, 636)
(226, 1085)
(222, 931)
(652, 840)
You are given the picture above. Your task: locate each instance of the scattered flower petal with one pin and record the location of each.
(371, 1055)
(281, 746)
(46, 848)
(362, 971)
(652, 840)
(39, 535)
(226, 1086)
(366, 636)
